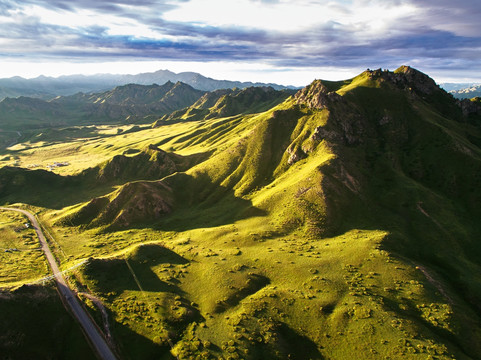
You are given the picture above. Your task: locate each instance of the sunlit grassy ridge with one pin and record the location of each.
(339, 223)
(228, 102)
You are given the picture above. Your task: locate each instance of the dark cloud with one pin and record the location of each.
(444, 35)
(5, 7)
(110, 5)
(456, 16)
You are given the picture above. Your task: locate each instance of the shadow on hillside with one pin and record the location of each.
(35, 325)
(227, 211)
(46, 189)
(192, 202)
(201, 203)
(134, 272)
(290, 345)
(157, 254)
(297, 346)
(115, 276)
(112, 277)
(198, 202)
(131, 345)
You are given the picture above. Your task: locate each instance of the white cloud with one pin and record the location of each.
(360, 17)
(282, 41)
(80, 18)
(282, 16)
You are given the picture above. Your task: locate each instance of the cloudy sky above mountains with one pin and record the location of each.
(287, 42)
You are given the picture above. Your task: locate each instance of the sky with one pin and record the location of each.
(279, 41)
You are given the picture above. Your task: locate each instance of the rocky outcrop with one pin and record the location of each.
(407, 78)
(134, 203)
(316, 95)
(295, 154)
(470, 107)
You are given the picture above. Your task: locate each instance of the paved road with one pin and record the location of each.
(86, 322)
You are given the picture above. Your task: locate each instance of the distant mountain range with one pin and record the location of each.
(49, 87)
(134, 103)
(338, 223)
(467, 93)
(462, 90)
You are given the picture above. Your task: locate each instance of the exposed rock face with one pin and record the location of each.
(408, 78)
(321, 132)
(316, 95)
(470, 107)
(421, 82)
(137, 202)
(133, 203)
(350, 126)
(296, 154)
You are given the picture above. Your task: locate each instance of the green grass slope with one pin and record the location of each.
(48, 189)
(131, 204)
(228, 102)
(19, 251)
(129, 103)
(339, 223)
(34, 325)
(149, 163)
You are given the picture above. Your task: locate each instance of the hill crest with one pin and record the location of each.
(341, 222)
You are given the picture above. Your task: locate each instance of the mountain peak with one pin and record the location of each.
(320, 93)
(316, 95)
(407, 69)
(421, 81)
(406, 77)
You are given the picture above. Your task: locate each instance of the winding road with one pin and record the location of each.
(95, 337)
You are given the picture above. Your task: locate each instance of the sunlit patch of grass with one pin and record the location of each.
(22, 260)
(303, 232)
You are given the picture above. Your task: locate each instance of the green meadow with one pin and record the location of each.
(338, 223)
(20, 254)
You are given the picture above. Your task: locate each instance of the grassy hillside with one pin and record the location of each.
(34, 325)
(228, 102)
(124, 104)
(341, 222)
(22, 260)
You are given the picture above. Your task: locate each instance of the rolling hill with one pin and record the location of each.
(339, 222)
(228, 102)
(134, 103)
(128, 103)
